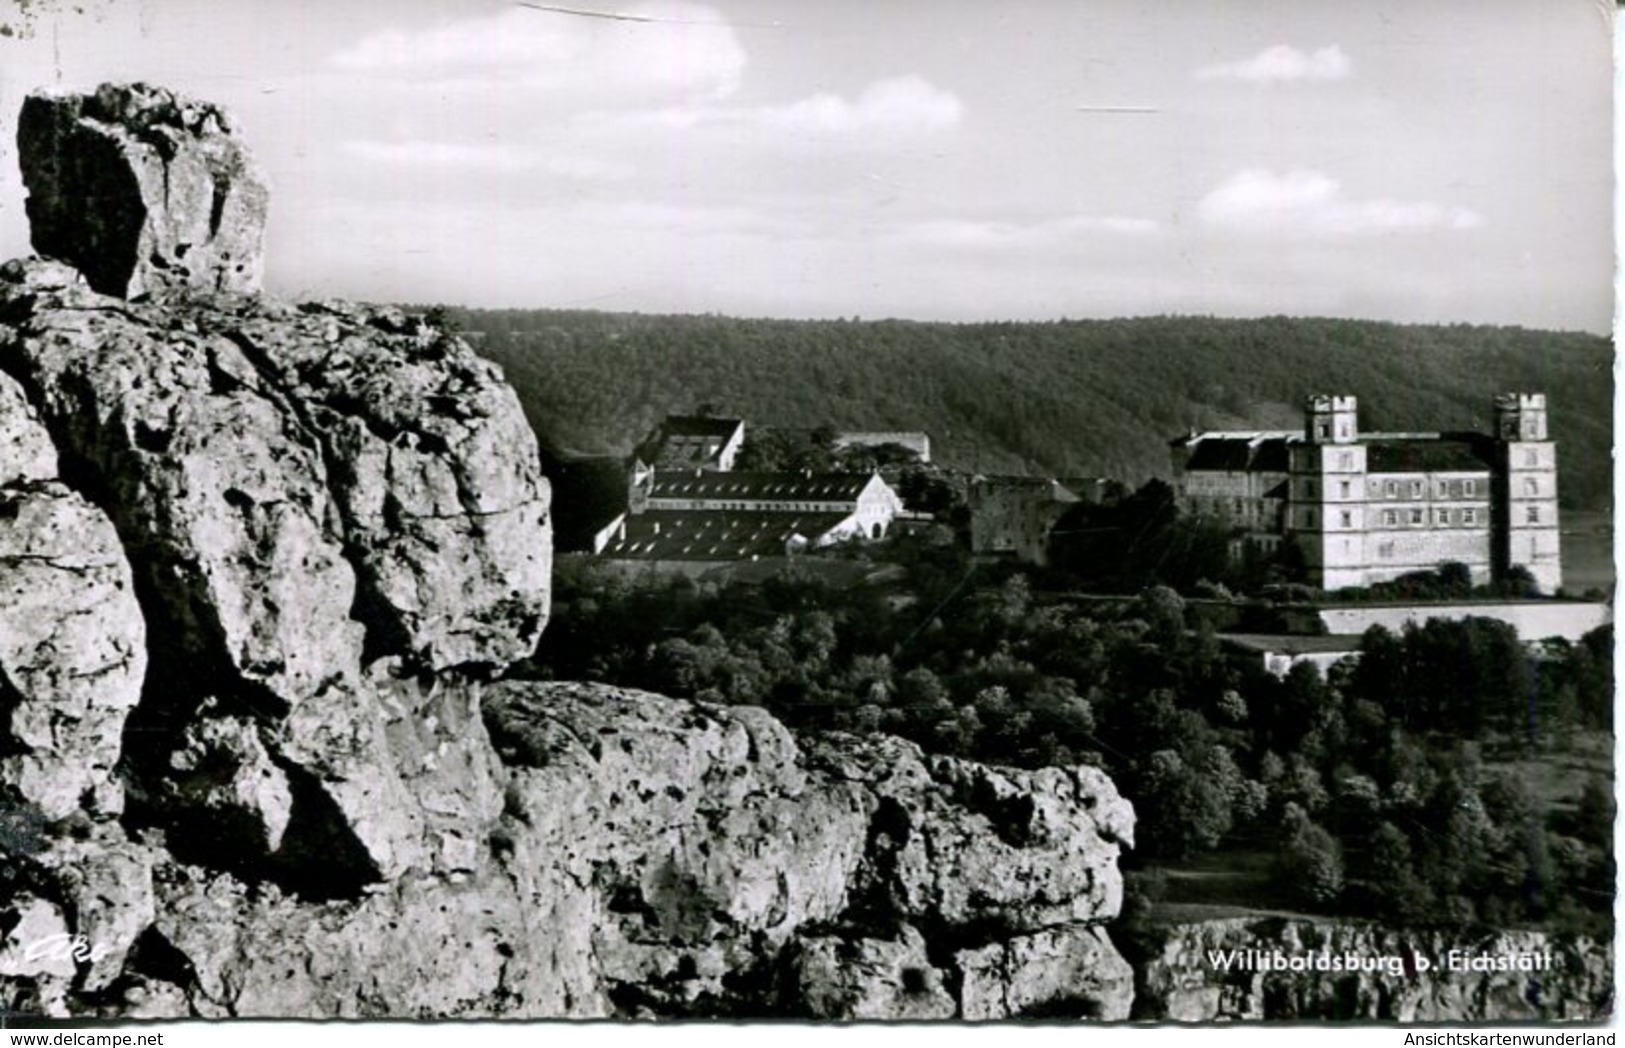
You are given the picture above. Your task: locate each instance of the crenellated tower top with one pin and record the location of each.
(1331, 419)
(1520, 416)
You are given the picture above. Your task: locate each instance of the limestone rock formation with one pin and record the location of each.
(665, 858)
(318, 503)
(712, 840)
(262, 565)
(72, 643)
(143, 190)
(867, 979)
(1069, 972)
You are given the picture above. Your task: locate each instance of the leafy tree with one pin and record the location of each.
(1379, 674)
(875, 458)
(1060, 399)
(1310, 864)
(1455, 579)
(1300, 707)
(1594, 821)
(1164, 611)
(1183, 811)
(1590, 670)
(1302, 786)
(771, 449)
(1231, 707)
(1356, 804)
(1401, 894)
(768, 450)
(1517, 582)
(927, 490)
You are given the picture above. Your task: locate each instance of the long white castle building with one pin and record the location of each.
(1370, 507)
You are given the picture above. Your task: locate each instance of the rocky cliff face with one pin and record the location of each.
(1231, 970)
(261, 567)
(142, 190)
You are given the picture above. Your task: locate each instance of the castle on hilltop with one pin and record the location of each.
(1370, 507)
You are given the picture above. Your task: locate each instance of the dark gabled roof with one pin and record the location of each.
(1239, 454)
(699, 426)
(684, 453)
(1448, 453)
(686, 441)
(1386, 453)
(1219, 453)
(1271, 456)
(761, 487)
(712, 535)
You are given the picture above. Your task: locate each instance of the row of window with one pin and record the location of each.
(1531, 458)
(758, 506)
(1249, 508)
(1415, 489)
(1442, 518)
(1466, 488)
(1416, 517)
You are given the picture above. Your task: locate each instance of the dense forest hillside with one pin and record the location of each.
(1065, 398)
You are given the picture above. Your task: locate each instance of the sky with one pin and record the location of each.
(931, 159)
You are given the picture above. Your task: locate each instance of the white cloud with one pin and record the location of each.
(685, 219)
(896, 104)
(995, 235)
(1283, 63)
(1259, 192)
(442, 155)
(1311, 202)
(494, 158)
(670, 48)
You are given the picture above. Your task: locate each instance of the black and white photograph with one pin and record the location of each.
(1083, 515)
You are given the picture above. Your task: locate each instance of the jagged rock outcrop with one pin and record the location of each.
(318, 503)
(142, 190)
(1073, 971)
(72, 643)
(1203, 972)
(864, 979)
(666, 858)
(712, 841)
(264, 564)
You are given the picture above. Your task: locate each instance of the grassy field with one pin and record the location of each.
(1236, 882)
(1555, 779)
(1588, 551)
(1230, 883)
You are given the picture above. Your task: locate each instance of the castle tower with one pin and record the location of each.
(1327, 491)
(1330, 420)
(1525, 529)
